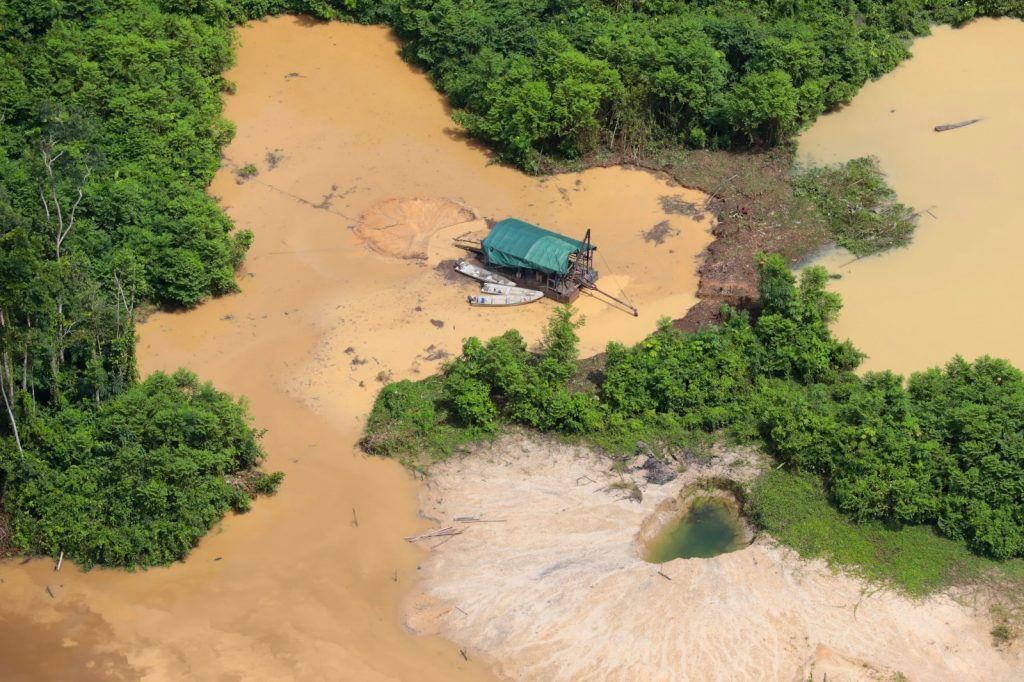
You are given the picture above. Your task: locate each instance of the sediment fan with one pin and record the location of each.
(402, 228)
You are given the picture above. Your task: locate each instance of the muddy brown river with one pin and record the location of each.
(957, 288)
(309, 585)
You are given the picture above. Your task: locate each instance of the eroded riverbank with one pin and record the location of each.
(308, 585)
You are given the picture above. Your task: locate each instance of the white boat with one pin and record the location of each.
(505, 290)
(485, 276)
(505, 299)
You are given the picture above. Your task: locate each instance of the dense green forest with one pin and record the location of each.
(111, 128)
(557, 78)
(945, 448)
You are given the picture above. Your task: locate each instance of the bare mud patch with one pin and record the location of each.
(402, 228)
(553, 586)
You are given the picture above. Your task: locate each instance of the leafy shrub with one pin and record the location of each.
(795, 509)
(945, 450)
(860, 208)
(410, 419)
(267, 484)
(136, 481)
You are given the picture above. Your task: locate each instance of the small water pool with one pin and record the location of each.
(711, 526)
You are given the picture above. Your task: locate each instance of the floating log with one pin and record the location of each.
(954, 126)
(60, 562)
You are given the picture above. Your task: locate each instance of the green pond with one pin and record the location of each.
(710, 527)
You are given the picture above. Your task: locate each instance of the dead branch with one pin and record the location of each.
(439, 532)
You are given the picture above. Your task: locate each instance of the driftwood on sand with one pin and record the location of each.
(954, 126)
(448, 530)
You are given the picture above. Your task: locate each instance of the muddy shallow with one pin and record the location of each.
(957, 287)
(308, 585)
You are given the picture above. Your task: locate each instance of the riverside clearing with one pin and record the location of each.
(560, 589)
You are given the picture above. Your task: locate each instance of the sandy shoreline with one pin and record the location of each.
(559, 591)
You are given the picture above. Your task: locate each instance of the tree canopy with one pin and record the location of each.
(556, 78)
(945, 448)
(111, 129)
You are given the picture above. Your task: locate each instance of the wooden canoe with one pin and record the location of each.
(485, 276)
(505, 290)
(505, 300)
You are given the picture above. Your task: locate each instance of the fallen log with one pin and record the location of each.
(954, 126)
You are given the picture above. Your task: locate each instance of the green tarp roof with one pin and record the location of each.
(515, 244)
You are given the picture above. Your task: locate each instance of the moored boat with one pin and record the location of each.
(505, 299)
(505, 290)
(485, 276)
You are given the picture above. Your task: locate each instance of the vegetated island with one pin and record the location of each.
(112, 130)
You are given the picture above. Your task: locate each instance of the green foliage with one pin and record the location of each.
(1003, 634)
(793, 327)
(559, 347)
(135, 481)
(411, 419)
(111, 131)
(944, 451)
(794, 509)
(537, 78)
(764, 107)
(267, 483)
(859, 207)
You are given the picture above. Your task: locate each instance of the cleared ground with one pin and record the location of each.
(554, 588)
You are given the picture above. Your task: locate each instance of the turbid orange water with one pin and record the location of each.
(957, 288)
(308, 585)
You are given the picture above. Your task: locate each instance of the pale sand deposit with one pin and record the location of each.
(403, 228)
(557, 589)
(308, 585)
